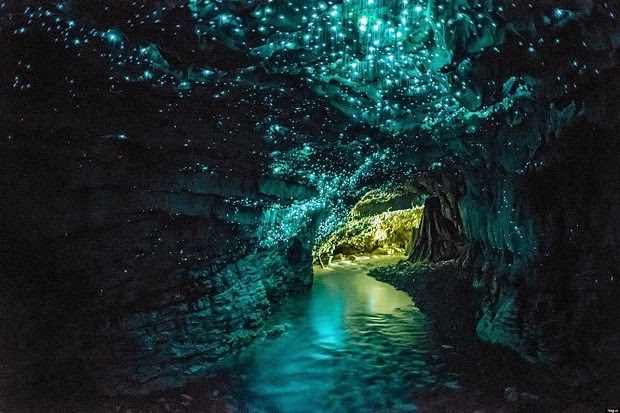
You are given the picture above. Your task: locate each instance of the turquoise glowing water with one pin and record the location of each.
(353, 344)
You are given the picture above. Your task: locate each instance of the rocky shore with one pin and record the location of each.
(491, 378)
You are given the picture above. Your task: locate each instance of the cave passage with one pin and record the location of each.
(171, 171)
(352, 344)
(384, 221)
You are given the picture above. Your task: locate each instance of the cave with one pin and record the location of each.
(291, 206)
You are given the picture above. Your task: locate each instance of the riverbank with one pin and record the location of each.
(491, 378)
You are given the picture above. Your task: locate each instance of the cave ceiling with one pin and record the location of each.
(336, 95)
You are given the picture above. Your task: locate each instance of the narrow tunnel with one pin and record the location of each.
(396, 205)
(382, 222)
(410, 219)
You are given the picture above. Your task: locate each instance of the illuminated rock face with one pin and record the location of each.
(382, 222)
(171, 164)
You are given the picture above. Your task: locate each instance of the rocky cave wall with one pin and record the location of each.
(539, 208)
(534, 218)
(146, 269)
(540, 240)
(139, 241)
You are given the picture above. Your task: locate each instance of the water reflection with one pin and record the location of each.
(353, 344)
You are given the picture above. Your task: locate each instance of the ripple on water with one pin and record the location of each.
(355, 344)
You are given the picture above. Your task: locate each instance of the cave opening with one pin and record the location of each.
(418, 220)
(383, 221)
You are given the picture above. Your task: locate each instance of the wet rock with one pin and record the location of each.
(436, 237)
(380, 223)
(511, 394)
(277, 331)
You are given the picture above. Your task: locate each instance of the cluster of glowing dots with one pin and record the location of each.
(372, 43)
(127, 62)
(372, 48)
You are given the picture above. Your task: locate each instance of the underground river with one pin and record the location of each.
(351, 344)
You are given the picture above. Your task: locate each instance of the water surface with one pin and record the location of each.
(352, 344)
